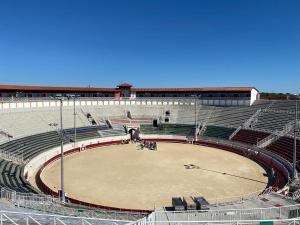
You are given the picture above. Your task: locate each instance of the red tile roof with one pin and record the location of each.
(53, 88)
(207, 89)
(95, 89)
(125, 85)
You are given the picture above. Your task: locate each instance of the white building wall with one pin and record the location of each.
(254, 96)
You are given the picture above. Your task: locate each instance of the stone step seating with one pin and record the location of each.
(84, 133)
(231, 117)
(235, 116)
(11, 176)
(32, 145)
(273, 121)
(19, 123)
(218, 132)
(285, 105)
(284, 147)
(131, 122)
(186, 114)
(169, 129)
(249, 136)
(112, 132)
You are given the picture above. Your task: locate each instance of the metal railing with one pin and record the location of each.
(9, 156)
(224, 216)
(251, 119)
(48, 204)
(293, 221)
(276, 135)
(16, 218)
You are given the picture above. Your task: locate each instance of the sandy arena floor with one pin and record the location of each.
(123, 176)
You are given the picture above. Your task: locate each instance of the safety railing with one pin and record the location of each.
(276, 135)
(48, 204)
(9, 156)
(224, 216)
(16, 218)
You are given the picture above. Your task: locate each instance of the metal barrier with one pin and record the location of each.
(280, 215)
(7, 217)
(49, 204)
(9, 156)
(25, 198)
(293, 221)
(235, 199)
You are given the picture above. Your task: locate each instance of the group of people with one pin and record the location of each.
(151, 145)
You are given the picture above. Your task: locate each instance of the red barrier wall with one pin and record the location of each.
(281, 172)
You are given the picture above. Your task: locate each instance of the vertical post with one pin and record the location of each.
(61, 154)
(75, 133)
(196, 118)
(295, 143)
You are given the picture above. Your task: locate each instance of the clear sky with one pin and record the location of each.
(153, 43)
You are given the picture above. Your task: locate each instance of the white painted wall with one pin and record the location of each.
(101, 102)
(254, 96)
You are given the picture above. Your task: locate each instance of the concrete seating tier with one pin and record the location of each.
(273, 120)
(169, 129)
(250, 136)
(284, 147)
(84, 133)
(24, 122)
(285, 105)
(11, 177)
(218, 132)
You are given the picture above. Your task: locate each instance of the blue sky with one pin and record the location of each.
(153, 43)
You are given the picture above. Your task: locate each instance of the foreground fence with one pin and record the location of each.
(9, 156)
(48, 204)
(275, 215)
(272, 213)
(295, 221)
(16, 218)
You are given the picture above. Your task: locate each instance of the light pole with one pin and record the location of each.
(62, 188)
(195, 103)
(75, 134)
(196, 138)
(295, 176)
(74, 116)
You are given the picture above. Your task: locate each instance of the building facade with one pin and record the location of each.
(221, 96)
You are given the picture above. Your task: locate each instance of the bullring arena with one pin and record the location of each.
(123, 176)
(228, 159)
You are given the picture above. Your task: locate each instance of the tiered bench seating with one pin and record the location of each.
(284, 147)
(169, 129)
(218, 132)
(250, 136)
